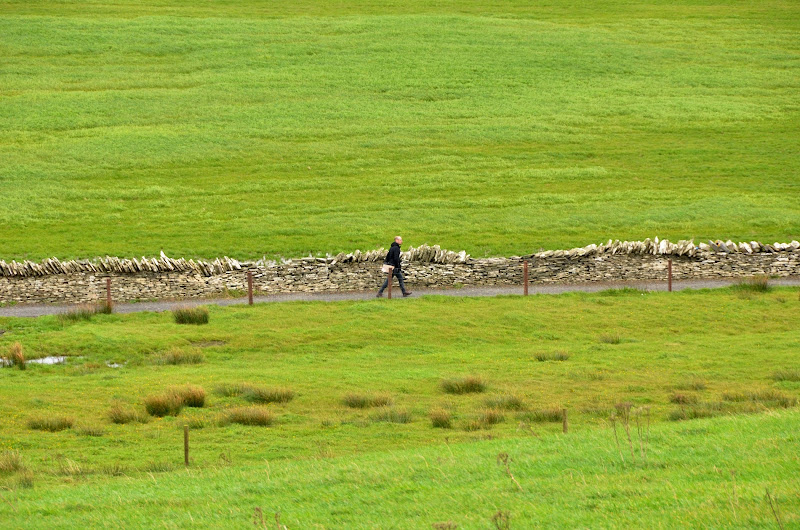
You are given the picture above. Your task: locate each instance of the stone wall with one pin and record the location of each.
(52, 281)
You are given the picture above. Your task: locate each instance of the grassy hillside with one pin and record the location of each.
(245, 129)
(721, 354)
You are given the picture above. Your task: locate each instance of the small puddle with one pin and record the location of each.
(53, 359)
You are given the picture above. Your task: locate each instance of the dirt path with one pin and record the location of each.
(35, 310)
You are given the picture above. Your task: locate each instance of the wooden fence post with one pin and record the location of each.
(186, 445)
(108, 292)
(389, 295)
(566, 424)
(669, 275)
(525, 277)
(250, 287)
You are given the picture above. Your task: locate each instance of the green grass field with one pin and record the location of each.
(728, 357)
(250, 128)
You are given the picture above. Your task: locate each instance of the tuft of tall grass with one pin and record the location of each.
(85, 312)
(160, 405)
(767, 397)
(51, 423)
(114, 470)
(610, 338)
(25, 479)
(363, 401)
(693, 413)
(178, 356)
(466, 385)
(440, 418)
(258, 416)
(190, 395)
(475, 425)
(505, 402)
(756, 284)
(679, 398)
(546, 415)
(691, 384)
(76, 314)
(16, 356)
(256, 394)
(90, 430)
(491, 416)
(390, 415)
(229, 389)
(190, 315)
(552, 356)
(11, 461)
(786, 375)
(120, 414)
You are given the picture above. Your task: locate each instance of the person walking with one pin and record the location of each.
(393, 261)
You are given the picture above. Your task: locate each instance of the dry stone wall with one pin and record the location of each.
(53, 281)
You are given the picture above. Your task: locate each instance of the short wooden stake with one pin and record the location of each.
(669, 275)
(250, 287)
(566, 423)
(108, 292)
(186, 445)
(525, 277)
(389, 294)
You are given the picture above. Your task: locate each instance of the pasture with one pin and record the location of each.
(250, 128)
(355, 392)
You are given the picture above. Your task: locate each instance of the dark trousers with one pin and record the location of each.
(397, 273)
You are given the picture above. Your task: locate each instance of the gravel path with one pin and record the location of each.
(35, 310)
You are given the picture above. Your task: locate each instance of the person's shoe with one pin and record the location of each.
(379, 295)
(407, 293)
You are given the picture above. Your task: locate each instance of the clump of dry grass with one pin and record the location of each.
(160, 405)
(786, 375)
(440, 418)
(466, 385)
(691, 384)
(505, 402)
(90, 430)
(610, 338)
(546, 415)
(680, 398)
(85, 312)
(16, 357)
(121, 415)
(766, 397)
(696, 412)
(191, 396)
(390, 415)
(474, 425)
(257, 394)
(756, 284)
(491, 416)
(363, 401)
(25, 479)
(115, 470)
(259, 416)
(552, 356)
(177, 356)
(11, 462)
(190, 315)
(51, 423)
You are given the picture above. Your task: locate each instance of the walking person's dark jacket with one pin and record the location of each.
(393, 256)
